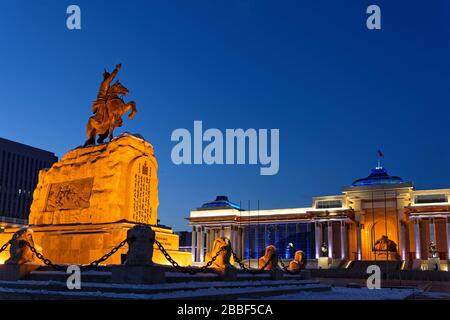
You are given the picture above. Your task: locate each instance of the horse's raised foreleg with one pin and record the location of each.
(131, 105)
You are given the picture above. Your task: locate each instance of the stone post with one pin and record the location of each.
(138, 267)
(22, 260)
(222, 263)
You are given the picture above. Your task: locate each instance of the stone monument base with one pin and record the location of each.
(138, 274)
(13, 272)
(84, 243)
(434, 264)
(323, 263)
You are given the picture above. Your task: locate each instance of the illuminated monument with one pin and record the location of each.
(85, 203)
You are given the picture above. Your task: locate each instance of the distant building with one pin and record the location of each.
(19, 169)
(380, 217)
(185, 238)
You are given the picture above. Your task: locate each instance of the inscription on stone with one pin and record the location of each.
(69, 195)
(142, 210)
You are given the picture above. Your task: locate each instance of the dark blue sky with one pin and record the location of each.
(337, 91)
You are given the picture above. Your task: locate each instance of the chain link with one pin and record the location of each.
(185, 269)
(106, 256)
(46, 261)
(252, 271)
(175, 264)
(286, 269)
(93, 264)
(3, 248)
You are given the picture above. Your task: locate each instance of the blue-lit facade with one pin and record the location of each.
(287, 237)
(354, 225)
(251, 231)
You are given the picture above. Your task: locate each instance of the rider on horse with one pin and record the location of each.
(102, 96)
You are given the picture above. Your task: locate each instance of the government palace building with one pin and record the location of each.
(380, 217)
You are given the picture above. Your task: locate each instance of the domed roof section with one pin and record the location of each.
(379, 175)
(221, 202)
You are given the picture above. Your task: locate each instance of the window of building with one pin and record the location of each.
(431, 198)
(327, 204)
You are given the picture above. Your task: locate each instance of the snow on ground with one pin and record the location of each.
(165, 286)
(435, 295)
(342, 293)
(212, 292)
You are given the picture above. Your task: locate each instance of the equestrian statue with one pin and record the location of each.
(108, 109)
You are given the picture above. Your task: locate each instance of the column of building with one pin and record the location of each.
(432, 226)
(358, 240)
(448, 238)
(318, 237)
(201, 245)
(343, 240)
(402, 233)
(194, 244)
(330, 238)
(417, 237)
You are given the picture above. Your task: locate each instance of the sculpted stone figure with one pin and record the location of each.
(224, 260)
(271, 253)
(20, 253)
(385, 244)
(432, 250)
(108, 109)
(297, 263)
(140, 249)
(324, 250)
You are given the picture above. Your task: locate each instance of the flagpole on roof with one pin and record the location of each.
(380, 155)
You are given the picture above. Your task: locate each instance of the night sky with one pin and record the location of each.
(337, 91)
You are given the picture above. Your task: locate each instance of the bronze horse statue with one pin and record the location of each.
(108, 114)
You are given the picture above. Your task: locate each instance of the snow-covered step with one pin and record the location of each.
(148, 289)
(215, 290)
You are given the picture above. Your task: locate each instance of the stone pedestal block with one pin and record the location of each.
(13, 272)
(306, 274)
(276, 274)
(323, 263)
(104, 183)
(84, 205)
(143, 274)
(229, 274)
(434, 264)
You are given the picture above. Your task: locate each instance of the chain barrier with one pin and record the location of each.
(175, 264)
(186, 269)
(286, 269)
(3, 248)
(106, 256)
(93, 264)
(252, 271)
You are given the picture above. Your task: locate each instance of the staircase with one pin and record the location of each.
(48, 284)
